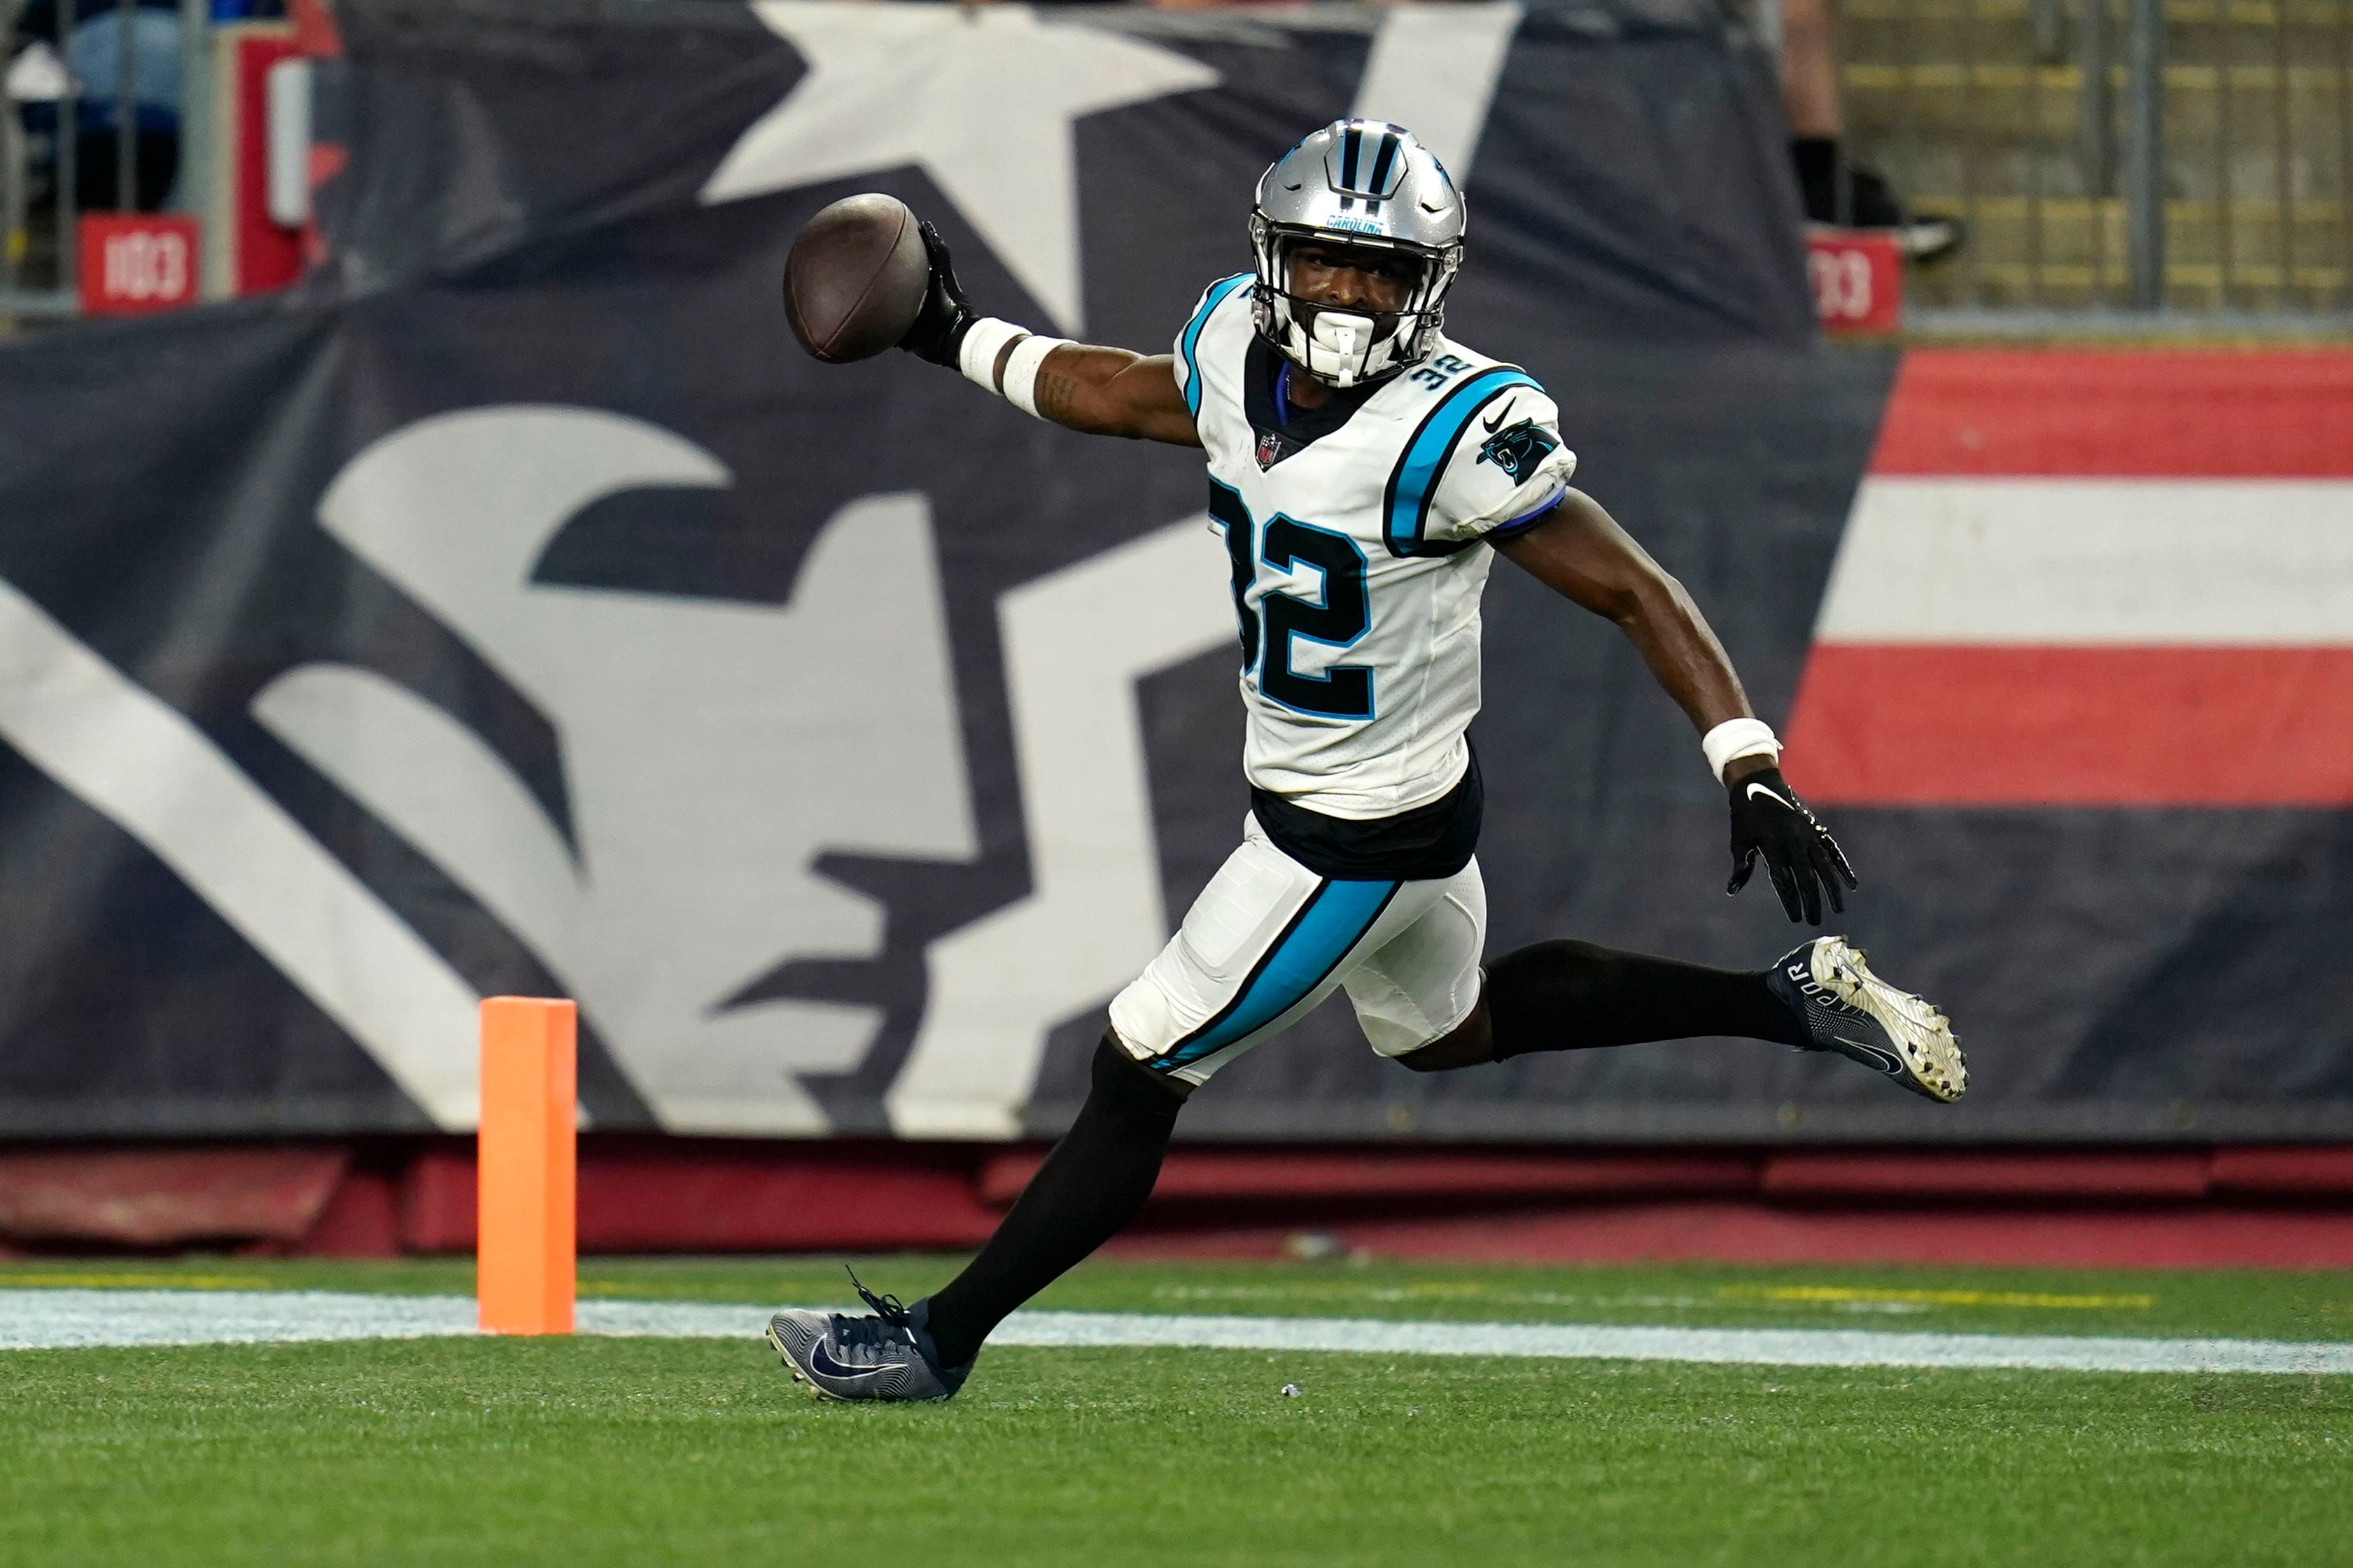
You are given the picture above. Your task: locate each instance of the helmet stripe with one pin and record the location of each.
(1351, 141)
(1381, 162)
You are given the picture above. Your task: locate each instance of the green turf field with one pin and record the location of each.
(627, 1451)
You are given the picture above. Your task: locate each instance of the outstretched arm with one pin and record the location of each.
(1580, 553)
(1101, 391)
(1112, 392)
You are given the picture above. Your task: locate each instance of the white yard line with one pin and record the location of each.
(48, 1319)
(1743, 1347)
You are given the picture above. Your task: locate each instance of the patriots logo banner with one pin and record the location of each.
(513, 608)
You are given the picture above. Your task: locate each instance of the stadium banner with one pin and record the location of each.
(512, 609)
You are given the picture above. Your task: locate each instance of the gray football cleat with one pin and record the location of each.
(1850, 1010)
(886, 1355)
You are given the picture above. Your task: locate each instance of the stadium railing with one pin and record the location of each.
(2162, 165)
(41, 136)
(2178, 162)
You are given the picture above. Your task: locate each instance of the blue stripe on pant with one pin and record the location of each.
(1334, 920)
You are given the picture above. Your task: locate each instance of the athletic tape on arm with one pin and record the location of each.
(1737, 738)
(1021, 371)
(983, 342)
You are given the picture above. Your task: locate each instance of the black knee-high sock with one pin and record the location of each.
(1092, 1183)
(1573, 996)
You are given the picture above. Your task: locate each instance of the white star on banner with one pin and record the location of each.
(983, 99)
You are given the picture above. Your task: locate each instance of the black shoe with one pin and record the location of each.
(1844, 194)
(1874, 205)
(887, 1355)
(1848, 1010)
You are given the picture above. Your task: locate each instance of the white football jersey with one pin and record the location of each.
(1353, 536)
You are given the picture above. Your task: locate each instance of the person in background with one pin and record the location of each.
(93, 50)
(16, 84)
(94, 53)
(1837, 190)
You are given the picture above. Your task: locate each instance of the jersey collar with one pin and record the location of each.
(1279, 438)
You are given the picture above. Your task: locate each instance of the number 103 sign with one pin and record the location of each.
(1857, 280)
(132, 263)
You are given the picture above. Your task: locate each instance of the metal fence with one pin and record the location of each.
(14, 238)
(41, 176)
(2192, 158)
(2187, 156)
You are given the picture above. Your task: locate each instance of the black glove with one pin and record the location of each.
(940, 326)
(1801, 856)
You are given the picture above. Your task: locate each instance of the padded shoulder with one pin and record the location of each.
(1189, 341)
(1485, 454)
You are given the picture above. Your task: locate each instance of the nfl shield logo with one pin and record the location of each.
(1270, 450)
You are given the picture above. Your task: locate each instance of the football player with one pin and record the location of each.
(1364, 471)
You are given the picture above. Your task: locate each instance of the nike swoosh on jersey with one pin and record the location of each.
(821, 1363)
(1756, 789)
(1497, 422)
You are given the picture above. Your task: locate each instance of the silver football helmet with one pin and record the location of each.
(1357, 185)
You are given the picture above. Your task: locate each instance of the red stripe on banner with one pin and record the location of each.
(2271, 415)
(1901, 725)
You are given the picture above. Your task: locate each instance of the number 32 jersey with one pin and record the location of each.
(1353, 534)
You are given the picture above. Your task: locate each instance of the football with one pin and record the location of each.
(856, 277)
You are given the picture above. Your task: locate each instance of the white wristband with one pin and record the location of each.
(983, 342)
(1021, 370)
(1737, 738)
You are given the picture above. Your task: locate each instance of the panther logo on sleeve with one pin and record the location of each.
(1519, 449)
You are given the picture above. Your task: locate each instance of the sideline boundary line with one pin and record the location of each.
(66, 1318)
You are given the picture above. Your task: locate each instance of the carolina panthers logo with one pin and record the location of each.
(1519, 449)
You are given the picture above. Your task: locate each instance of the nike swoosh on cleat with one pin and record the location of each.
(1885, 1061)
(1497, 422)
(1756, 789)
(821, 1363)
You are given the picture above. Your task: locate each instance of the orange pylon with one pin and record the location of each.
(524, 1267)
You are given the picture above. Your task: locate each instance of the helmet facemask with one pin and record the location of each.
(1334, 344)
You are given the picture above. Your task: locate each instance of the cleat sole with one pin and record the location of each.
(1935, 1068)
(1917, 1046)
